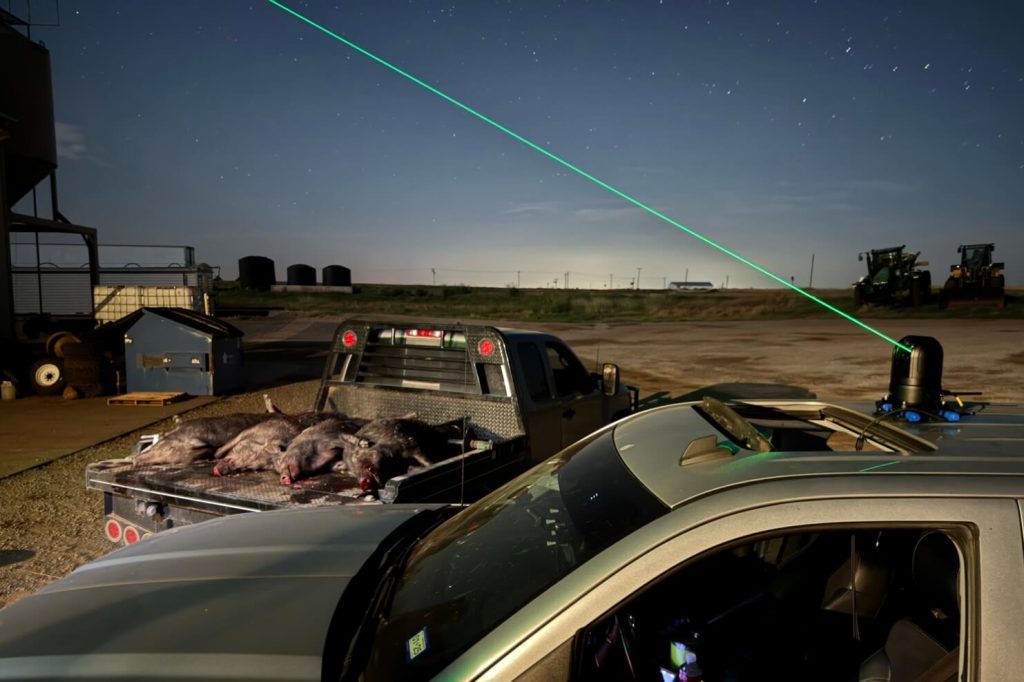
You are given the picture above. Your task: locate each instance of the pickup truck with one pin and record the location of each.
(508, 399)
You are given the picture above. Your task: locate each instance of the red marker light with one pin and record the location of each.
(112, 529)
(424, 333)
(486, 347)
(349, 338)
(131, 535)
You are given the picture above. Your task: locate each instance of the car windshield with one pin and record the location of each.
(486, 562)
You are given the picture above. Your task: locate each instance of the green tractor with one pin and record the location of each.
(976, 281)
(894, 278)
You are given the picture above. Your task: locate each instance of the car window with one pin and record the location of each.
(570, 376)
(485, 563)
(783, 607)
(533, 371)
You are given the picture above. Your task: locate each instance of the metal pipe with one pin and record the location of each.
(54, 211)
(6, 274)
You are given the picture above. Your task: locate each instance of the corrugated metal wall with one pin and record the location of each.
(63, 293)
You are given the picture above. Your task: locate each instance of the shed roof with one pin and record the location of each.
(193, 320)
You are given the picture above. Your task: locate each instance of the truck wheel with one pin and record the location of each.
(47, 376)
(858, 297)
(916, 292)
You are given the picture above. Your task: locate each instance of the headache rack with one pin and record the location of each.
(432, 359)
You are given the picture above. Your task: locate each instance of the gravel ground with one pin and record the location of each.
(50, 524)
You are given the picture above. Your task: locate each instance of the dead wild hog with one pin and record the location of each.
(385, 448)
(255, 448)
(198, 438)
(316, 449)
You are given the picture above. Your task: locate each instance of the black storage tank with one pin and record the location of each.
(256, 272)
(302, 275)
(337, 276)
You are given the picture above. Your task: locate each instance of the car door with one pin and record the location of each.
(545, 639)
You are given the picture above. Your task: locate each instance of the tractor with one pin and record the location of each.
(976, 280)
(893, 278)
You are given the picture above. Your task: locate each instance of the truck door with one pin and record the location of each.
(580, 403)
(541, 412)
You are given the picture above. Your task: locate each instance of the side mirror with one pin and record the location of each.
(960, 249)
(610, 378)
(860, 256)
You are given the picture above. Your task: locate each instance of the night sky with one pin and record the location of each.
(825, 127)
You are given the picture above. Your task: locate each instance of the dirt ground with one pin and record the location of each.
(49, 523)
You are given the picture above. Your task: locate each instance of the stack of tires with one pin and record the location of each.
(86, 369)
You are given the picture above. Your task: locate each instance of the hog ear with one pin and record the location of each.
(347, 438)
(327, 453)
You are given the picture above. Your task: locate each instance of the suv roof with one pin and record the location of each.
(652, 444)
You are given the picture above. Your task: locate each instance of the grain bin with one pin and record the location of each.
(256, 272)
(337, 276)
(170, 349)
(301, 275)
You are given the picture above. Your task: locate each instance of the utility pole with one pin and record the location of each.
(567, 280)
(611, 281)
(433, 277)
(810, 282)
(638, 278)
(517, 279)
(726, 282)
(686, 277)
(664, 282)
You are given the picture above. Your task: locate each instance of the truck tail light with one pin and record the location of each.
(349, 338)
(485, 347)
(112, 529)
(131, 535)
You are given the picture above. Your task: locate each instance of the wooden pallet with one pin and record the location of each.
(147, 398)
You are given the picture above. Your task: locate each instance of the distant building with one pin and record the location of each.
(701, 286)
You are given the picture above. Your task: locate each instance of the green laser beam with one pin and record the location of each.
(597, 181)
(880, 466)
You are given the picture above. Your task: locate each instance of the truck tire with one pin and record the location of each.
(47, 376)
(917, 292)
(57, 341)
(83, 365)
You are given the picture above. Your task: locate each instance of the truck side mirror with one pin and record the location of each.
(609, 378)
(860, 256)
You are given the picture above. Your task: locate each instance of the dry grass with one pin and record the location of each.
(574, 305)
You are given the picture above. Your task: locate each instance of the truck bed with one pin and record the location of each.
(194, 486)
(177, 495)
